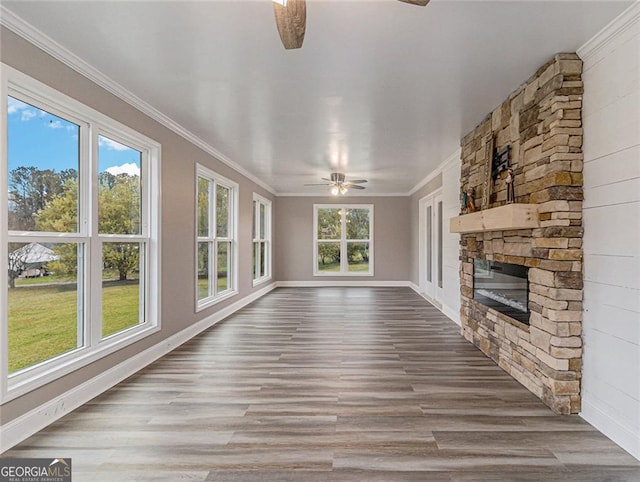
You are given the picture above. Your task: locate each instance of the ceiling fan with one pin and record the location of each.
(291, 18)
(338, 183)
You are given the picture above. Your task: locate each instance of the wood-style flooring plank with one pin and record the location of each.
(328, 384)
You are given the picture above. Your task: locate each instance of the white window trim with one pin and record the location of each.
(217, 179)
(267, 238)
(343, 240)
(19, 85)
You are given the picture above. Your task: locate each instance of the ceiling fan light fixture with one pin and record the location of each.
(281, 2)
(337, 183)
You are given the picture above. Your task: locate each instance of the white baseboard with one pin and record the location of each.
(339, 283)
(453, 315)
(446, 310)
(612, 428)
(414, 287)
(35, 420)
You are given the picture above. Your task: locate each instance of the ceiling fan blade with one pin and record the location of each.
(321, 184)
(325, 179)
(291, 22)
(355, 186)
(422, 3)
(357, 181)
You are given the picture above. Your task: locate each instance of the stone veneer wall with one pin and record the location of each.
(541, 121)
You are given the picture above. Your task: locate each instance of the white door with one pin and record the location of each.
(430, 255)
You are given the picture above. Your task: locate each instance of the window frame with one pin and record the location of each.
(257, 202)
(212, 238)
(92, 124)
(344, 266)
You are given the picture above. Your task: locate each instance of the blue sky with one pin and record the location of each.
(37, 138)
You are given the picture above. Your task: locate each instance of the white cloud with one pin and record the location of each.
(27, 114)
(112, 145)
(14, 105)
(131, 169)
(55, 124)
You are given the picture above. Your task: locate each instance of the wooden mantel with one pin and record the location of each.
(502, 218)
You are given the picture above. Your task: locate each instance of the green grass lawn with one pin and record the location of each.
(203, 286)
(107, 275)
(40, 280)
(335, 267)
(120, 306)
(42, 319)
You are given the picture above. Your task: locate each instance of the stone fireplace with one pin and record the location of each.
(540, 124)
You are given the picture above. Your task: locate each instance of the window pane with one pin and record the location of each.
(440, 229)
(256, 260)
(203, 270)
(329, 223)
(262, 221)
(262, 258)
(255, 220)
(119, 199)
(121, 270)
(45, 306)
(222, 211)
(429, 244)
(224, 249)
(358, 257)
(203, 207)
(328, 257)
(357, 224)
(43, 161)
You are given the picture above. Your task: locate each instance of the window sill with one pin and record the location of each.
(260, 281)
(209, 302)
(51, 370)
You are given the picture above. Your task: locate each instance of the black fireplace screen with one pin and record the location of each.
(503, 287)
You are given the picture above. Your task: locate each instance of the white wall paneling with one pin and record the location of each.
(611, 328)
(451, 241)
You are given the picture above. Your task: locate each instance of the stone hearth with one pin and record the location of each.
(541, 122)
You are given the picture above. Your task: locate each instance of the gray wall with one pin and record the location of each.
(294, 231)
(178, 219)
(414, 233)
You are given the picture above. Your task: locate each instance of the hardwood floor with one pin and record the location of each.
(347, 384)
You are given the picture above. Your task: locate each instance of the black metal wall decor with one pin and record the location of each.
(500, 161)
(487, 184)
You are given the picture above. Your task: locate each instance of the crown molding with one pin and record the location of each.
(616, 27)
(453, 157)
(34, 36)
(347, 196)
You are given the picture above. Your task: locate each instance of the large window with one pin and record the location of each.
(216, 244)
(79, 234)
(343, 240)
(261, 239)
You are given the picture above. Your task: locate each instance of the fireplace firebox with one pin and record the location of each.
(503, 287)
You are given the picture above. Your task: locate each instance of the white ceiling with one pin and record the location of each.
(381, 89)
